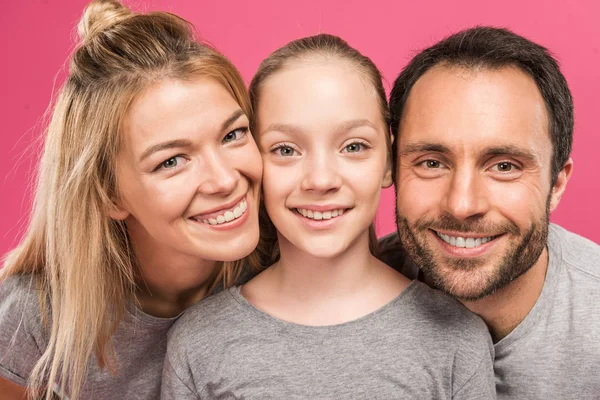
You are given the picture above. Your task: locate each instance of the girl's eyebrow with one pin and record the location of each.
(342, 127)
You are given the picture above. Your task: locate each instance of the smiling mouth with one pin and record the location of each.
(320, 215)
(465, 242)
(233, 213)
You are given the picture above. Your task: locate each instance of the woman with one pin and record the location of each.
(148, 193)
(327, 320)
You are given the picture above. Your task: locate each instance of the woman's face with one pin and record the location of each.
(189, 173)
(322, 138)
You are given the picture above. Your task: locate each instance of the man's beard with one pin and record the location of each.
(517, 259)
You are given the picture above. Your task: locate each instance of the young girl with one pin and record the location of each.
(149, 180)
(327, 320)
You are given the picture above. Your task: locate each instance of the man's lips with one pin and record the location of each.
(466, 240)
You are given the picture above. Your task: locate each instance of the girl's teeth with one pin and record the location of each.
(228, 216)
(458, 241)
(317, 215)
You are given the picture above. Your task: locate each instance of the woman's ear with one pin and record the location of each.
(117, 211)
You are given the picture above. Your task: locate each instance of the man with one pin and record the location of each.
(482, 124)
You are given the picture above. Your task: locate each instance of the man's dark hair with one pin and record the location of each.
(493, 48)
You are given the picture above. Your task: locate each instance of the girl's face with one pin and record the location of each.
(189, 173)
(322, 138)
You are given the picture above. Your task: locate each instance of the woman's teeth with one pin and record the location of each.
(228, 216)
(459, 241)
(318, 215)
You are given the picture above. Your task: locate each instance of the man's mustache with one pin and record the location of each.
(477, 225)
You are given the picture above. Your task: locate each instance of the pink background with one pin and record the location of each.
(37, 36)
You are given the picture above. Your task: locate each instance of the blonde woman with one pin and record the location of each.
(148, 192)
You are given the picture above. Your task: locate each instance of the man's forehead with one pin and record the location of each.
(481, 108)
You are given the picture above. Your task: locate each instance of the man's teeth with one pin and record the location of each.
(228, 216)
(320, 215)
(458, 241)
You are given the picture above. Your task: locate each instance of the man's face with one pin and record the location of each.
(473, 178)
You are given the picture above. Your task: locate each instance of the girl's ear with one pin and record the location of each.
(387, 177)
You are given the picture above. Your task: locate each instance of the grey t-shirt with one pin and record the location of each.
(554, 353)
(225, 348)
(140, 346)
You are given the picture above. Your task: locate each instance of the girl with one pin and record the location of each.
(327, 320)
(149, 180)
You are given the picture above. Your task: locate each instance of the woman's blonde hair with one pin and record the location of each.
(81, 259)
(328, 47)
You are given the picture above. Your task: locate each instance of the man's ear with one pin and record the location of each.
(117, 211)
(561, 184)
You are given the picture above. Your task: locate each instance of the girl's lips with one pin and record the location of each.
(319, 223)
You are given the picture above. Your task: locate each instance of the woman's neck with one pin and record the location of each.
(167, 284)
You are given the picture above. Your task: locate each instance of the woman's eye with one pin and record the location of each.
(170, 163)
(354, 147)
(235, 135)
(431, 164)
(285, 151)
(505, 167)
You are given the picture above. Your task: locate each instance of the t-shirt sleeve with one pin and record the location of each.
(20, 329)
(177, 380)
(479, 383)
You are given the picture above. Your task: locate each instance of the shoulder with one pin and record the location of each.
(438, 312)
(22, 333)
(448, 327)
(576, 251)
(205, 316)
(19, 300)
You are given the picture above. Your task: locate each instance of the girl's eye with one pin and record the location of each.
(505, 167)
(354, 147)
(285, 151)
(170, 163)
(431, 164)
(235, 135)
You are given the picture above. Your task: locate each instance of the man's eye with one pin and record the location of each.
(505, 167)
(431, 164)
(234, 135)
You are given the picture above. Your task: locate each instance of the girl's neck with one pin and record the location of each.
(302, 275)
(309, 290)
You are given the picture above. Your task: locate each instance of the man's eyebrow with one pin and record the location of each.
(421, 147)
(163, 146)
(513, 151)
(234, 117)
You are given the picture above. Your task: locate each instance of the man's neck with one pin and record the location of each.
(504, 310)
